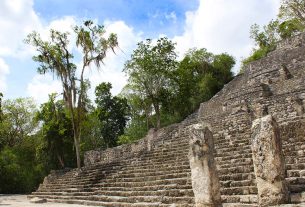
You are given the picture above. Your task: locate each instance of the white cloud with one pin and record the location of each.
(64, 24)
(223, 25)
(17, 19)
(111, 71)
(41, 86)
(4, 70)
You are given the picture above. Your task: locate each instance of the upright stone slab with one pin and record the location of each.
(268, 160)
(205, 181)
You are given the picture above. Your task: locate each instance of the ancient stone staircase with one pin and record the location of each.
(160, 177)
(156, 172)
(234, 162)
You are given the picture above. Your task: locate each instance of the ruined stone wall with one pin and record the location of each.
(154, 139)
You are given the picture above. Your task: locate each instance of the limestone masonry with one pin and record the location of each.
(246, 144)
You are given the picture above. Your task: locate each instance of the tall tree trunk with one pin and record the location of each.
(147, 119)
(75, 133)
(77, 150)
(157, 110)
(61, 161)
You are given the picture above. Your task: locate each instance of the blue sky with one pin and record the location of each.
(149, 16)
(218, 25)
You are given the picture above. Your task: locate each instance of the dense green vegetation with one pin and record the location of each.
(290, 21)
(160, 97)
(112, 113)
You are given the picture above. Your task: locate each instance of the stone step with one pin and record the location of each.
(180, 181)
(230, 149)
(234, 156)
(127, 193)
(239, 205)
(154, 166)
(164, 167)
(293, 173)
(297, 197)
(115, 204)
(124, 174)
(131, 170)
(129, 199)
(236, 170)
(107, 183)
(299, 166)
(232, 153)
(244, 199)
(235, 162)
(297, 188)
(231, 183)
(141, 178)
(240, 161)
(223, 143)
(295, 180)
(243, 190)
(165, 151)
(237, 176)
(151, 173)
(93, 189)
(160, 162)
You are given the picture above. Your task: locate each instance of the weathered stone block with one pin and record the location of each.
(268, 160)
(205, 180)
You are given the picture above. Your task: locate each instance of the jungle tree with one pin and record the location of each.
(149, 70)
(56, 131)
(54, 56)
(112, 113)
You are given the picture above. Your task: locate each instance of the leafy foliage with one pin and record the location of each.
(20, 168)
(20, 173)
(265, 40)
(290, 21)
(195, 79)
(18, 121)
(199, 76)
(112, 113)
(293, 10)
(56, 134)
(149, 69)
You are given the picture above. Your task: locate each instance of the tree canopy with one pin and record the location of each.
(17, 122)
(112, 113)
(176, 90)
(149, 69)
